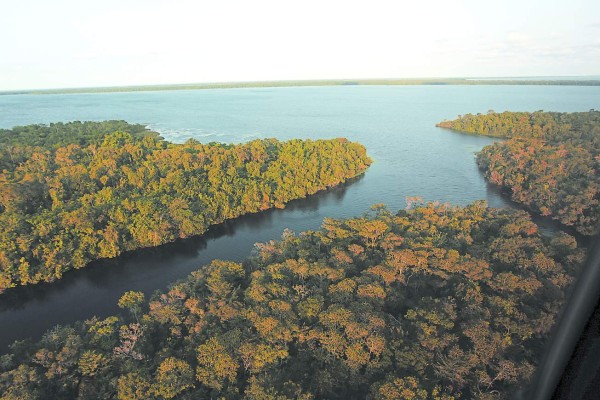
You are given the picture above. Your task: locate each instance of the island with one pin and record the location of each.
(550, 162)
(71, 193)
(432, 302)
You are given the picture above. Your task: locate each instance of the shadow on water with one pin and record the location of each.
(396, 124)
(94, 290)
(547, 225)
(499, 197)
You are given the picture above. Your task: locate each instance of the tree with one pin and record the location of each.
(133, 386)
(407, 388)
(172, 378)
(132, 301)
(73, 193)
(215, 366)
(459, 307)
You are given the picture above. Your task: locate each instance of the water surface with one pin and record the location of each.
(395, 123)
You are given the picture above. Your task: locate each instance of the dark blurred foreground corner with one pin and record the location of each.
(570, 368)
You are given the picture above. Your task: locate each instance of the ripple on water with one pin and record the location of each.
(396, 124)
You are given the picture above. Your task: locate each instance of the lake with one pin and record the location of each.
(396, 123)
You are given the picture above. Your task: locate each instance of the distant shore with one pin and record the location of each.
(558, 81)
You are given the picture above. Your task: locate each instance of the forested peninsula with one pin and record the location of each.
(433, 302)
(75, 192)
(550, 162)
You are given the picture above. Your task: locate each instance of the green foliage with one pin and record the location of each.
(77, 192)
(400, 388)
(91, 362)
(432, 303)
(215, 366)
(173, 376)
(551, 162)
(131, 300)
(61, 134)
(133, 386)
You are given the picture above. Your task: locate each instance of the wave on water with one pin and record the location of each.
(202, 135)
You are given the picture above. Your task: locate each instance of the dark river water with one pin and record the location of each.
(396, 123)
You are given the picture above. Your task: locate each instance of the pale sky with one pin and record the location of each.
(76, 43)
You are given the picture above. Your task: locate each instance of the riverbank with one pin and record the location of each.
(395, 123)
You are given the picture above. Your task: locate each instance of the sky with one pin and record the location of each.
(67, 43)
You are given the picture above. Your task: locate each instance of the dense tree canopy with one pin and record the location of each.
(431, 303)
(551, 163)
(62, 134)
(71, 193)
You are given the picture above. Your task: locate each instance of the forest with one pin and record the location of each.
(433, 302)
(76, 192)
(550, 162)
(59, 134)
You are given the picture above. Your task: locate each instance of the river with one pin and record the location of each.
(396, 123)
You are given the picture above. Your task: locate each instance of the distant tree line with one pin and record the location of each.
(75, 192)
(61, 134)
(259, 84)
(430, 303)
(551, 162)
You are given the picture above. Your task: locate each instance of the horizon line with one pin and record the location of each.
(565, 80)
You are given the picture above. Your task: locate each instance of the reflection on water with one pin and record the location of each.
(29, 311)
(547, 226)
(396, 124)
